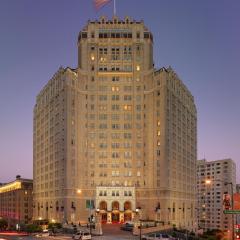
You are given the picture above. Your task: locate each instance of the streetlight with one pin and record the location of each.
(208, 181)
(140, 223)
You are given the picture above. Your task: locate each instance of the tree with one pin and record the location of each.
(31, 228)
(3, 224)
(53, 226)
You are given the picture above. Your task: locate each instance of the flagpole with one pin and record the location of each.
(114, 7)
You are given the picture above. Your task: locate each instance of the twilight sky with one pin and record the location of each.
(199, 39)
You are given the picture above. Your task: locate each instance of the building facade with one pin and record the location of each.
(214, 180)
(16, 201)
(238, 216)
(116, 133)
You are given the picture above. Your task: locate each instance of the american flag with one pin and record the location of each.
(100, 3)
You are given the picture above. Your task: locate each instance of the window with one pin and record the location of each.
(115, 107)
(115, 135)
(127, 97)
(103, 88)
(115, 155)
(127, 126)
(115, 116)
(127, 68)
(115, 89)
(127, 116)
(115, 97)
(115, 79)
(127, 88)
(103, 126)
(103, 97)
(115, 68)
(102, 68)
(102, 107)
(138, 107)
(127, 107)
(127, 135)
(102, 135)
(115, 54)
(127, 53)
(102, 116)
(115, 126)
(115, 145)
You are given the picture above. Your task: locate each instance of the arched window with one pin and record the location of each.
(103, 205)
(127, 206)
(115, 205)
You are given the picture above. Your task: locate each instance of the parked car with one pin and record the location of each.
(127, 227)
(82, 236)
(157, 236)
(44, 233)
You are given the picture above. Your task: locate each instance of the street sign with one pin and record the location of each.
(90, 204)
(231, 211)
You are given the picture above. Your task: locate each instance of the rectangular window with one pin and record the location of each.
(127, 97)
(103, 97)
(115, 79)
(115, 54)
(115, 97)
(115, 107)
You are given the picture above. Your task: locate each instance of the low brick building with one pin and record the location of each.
(16, 201)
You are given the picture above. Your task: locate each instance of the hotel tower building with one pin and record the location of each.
(115, 134)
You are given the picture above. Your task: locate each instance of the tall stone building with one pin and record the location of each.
(214, 180)
(115, 134)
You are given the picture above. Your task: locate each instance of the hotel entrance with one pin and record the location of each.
(115, 217)
(104, 217)
(115, 204)
(115, 212)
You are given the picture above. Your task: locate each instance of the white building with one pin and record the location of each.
(214, 179)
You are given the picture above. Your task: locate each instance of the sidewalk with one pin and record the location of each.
(115, 237)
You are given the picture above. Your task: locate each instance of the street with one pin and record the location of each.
(110, 232)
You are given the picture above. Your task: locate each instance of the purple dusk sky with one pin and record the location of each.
(199, 39)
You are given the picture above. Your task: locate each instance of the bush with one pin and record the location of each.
(3, 224)
(31, 228)
(54, 225)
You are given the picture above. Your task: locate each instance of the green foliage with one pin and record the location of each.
(214, 234)
(192, 234)
(3, 224)
(54, 225)
(31, 228)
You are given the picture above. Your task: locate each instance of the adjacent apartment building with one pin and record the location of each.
(215, 179)
(16, 201)
(115, 134)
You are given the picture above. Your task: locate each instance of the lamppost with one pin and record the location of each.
(208, 181)
(140, 223)
(90, 205)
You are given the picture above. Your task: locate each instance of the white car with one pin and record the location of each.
(82, 236)
(157, 236)
(44, 233)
